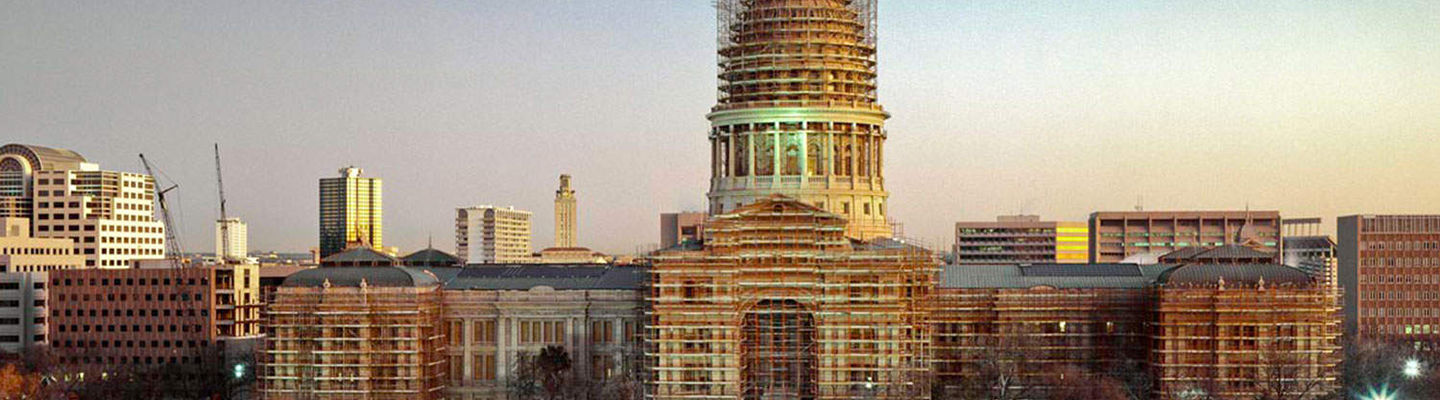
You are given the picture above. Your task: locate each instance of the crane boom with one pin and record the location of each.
(172, 243)
(224, 256)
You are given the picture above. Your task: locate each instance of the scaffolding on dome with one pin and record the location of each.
(796, 51)
(781, 305)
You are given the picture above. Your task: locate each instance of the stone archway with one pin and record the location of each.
(779, 351)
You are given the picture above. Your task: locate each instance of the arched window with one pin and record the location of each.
(742, 155)
(792, 154)
(764, 155)
(814, 160)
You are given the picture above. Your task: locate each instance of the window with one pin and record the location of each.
(484, 367)
(484, 331)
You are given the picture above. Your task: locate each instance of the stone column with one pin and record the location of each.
(502, 347)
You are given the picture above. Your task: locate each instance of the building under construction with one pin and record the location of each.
(356, 332)
(780, 304)
(1233, 331)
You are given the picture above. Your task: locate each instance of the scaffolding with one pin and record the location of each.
(795, 50)
(354, 343)
(1247, 341)
(781, 305)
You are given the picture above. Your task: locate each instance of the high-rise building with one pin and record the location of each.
(797, 113)
(677, 228)
(1020, 239)
(351, 212)
(1116, 236)
(231, 240)
(21, 253)
(489, 234)
(18, 164)
(565, 229)
(1390, 276)
(109, 215)
(23, 315)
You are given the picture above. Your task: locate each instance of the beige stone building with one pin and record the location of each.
(566, 231)
(109, 215)
(496, 313)
(18, 165)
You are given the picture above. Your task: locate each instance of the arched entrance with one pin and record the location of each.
(778, 343)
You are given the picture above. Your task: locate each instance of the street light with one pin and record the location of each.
(1384, 393)
(1412, 368)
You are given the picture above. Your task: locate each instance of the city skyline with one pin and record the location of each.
(1005, 110)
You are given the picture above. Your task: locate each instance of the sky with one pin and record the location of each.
(1314, 108)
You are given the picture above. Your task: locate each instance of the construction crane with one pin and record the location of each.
(224, 256)
(172, 243)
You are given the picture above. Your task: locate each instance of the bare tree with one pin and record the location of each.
(1284, 373)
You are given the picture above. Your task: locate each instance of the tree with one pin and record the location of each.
(1286, 374)
(553, 366)
(1371, 365)
(16, 383)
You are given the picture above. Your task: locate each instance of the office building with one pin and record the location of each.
(231, 241)
(1390, 274)
(351, 212)
(125, 319)
(1020, 239)
(489, 234)
(797, 113)
(23, 306)
(677, 228)
(109, 215)
(565, 228)
(18, 164)
(21, 253)
(779, 303)
(1132, 235)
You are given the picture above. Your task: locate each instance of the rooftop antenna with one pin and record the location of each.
(1140, 202)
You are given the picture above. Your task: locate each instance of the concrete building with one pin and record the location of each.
(677, 228)
(109, 215)
(566, 232)
(124, 319)
(21, 253)
(1118, 236)
(1021, 239)
(489, 234)
(18, 165)
(23, 310)
(351, 212)
(1316, 255)
(797, 113)
(1390, 274)
(231, 240)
